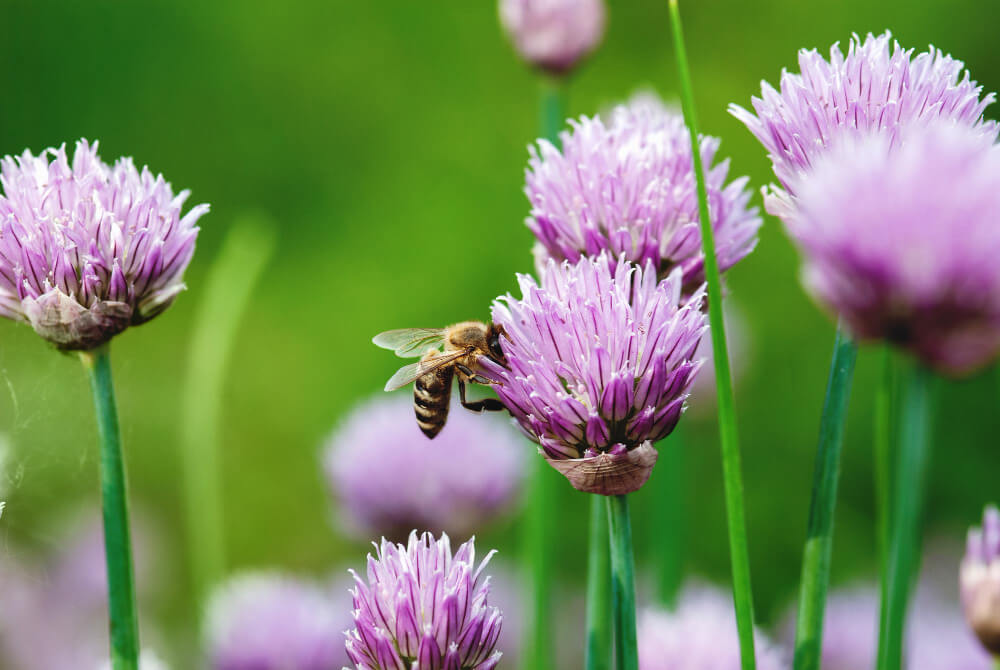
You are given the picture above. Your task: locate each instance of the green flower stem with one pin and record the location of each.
(552, 107)
(667, 527)
(819, 543)
(732, 477)
(882, 460)
(623, 583)
(225, 296)
(117, 543)
(540, 545)
(598, 655)
(904, 549)
(540, 533)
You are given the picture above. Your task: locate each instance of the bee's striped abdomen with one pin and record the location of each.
(431, 397)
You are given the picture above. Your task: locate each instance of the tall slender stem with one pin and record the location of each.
(539, 541)
(904, 550)
(226, 294)
(598, 655)
(623, 581)
(542, 492)
(667, 527)
(819, 542)
(732, 477)
(882, 460)
(117, 543)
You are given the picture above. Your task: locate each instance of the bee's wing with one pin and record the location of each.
(410, 342)
(409, 373)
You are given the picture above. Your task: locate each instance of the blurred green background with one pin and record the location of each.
(388, 140)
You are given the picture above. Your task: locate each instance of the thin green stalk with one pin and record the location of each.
(123, 622)
(819, 542)
(540, 544)
(732, 477)
(623, 580)
(598, 655)
(882, 459)
(996, 662)
(540, 533)
(226, 294)
(904, 550)
(668, 528)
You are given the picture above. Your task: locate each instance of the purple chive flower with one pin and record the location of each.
(553, 35)
(699, 635)
(270, 621)
(850, 628)
(627, 187)
(980, 580)
(421, 607)
(390, 479)
(600, 357)
(877, 88)
(902, 242)
(88, 249)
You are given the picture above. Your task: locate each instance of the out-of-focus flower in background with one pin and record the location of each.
(878, 87)
(901, 241)
(54, 609)
(979, 579)
(626, 186)
(600, 357)
(554, 35)
(88, 249)
(273, 621)
(420, 605)
(936, 636)
(389, 479)
(699, 635)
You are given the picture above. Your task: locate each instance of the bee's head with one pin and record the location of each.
(493, 335)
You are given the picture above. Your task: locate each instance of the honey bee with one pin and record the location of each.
(461, 346)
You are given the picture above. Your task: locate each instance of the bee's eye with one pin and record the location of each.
(495, 349)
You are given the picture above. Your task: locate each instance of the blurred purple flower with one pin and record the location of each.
(627, 187)
(850, 628)
(902, 241)
(88, 249)
(874, 89)
(936, 638)
(553, 35)
(699, 635)
(54, 607)
(422, 607)
(390, 479)
(980, 580)
(600, 357)
(270, 621)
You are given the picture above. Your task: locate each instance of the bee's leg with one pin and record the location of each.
(473, 376)
(484, 405)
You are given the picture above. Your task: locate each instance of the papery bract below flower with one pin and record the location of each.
(700, 635)
(88, 249)
(902, 242)
(877, 88)
(627, 187)
(271, 621)
(391, 479)
(599, 362)
(422, 607)
(980, 580)
(553, 34)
